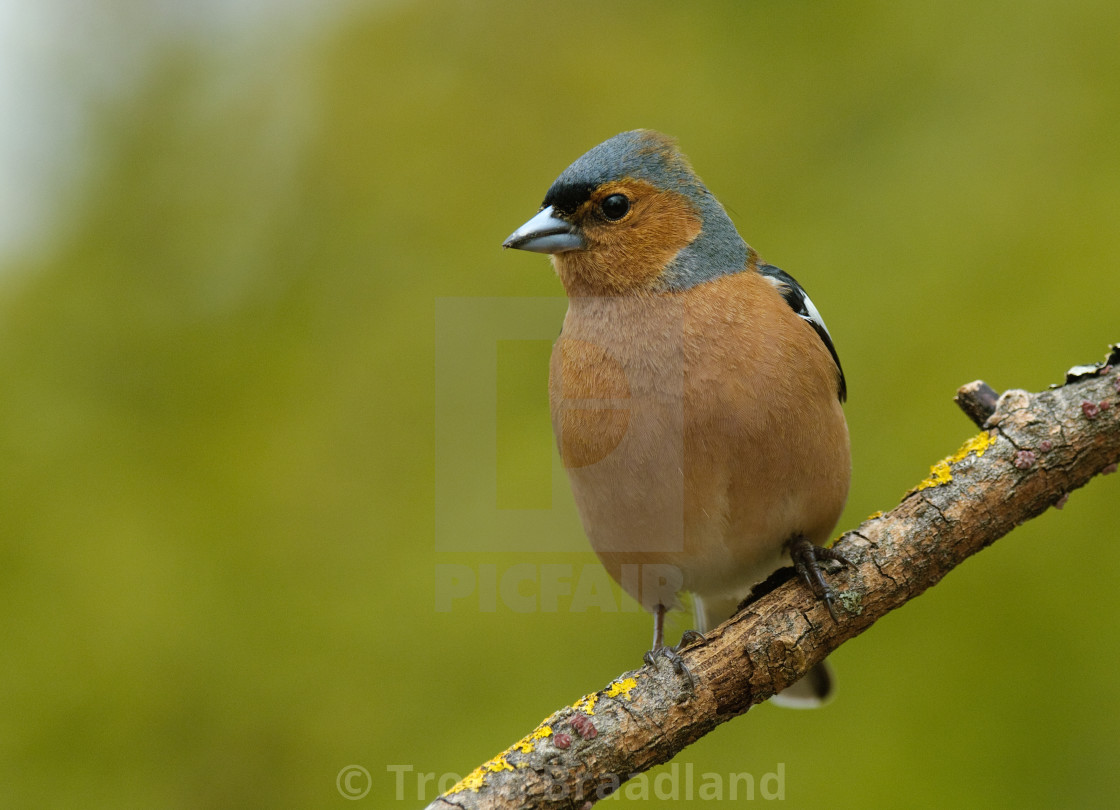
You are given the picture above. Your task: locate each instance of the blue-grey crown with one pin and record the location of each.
(650, 156)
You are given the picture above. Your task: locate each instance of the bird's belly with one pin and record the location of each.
(686, 476)
(654, 511)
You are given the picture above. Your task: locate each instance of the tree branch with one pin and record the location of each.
(1033, 450)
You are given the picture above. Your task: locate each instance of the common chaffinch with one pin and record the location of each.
(695, 390)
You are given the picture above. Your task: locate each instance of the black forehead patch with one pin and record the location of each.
(566, 196)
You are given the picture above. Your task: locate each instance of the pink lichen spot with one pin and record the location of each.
(1045, 446)
(1025, 459)
(562, 740)
(582, 724)
(1089, 409)
(1109, 470)
(1061, 501)
(1104, 405)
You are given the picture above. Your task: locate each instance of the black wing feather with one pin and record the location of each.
(799, 302)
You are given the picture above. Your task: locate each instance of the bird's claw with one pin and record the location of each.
(673, 654)
(807, 558)
(689, 637)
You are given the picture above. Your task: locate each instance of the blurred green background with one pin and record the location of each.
(220, 579)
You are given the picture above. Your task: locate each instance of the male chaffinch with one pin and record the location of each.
(695, 391)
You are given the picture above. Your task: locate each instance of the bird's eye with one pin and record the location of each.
(615, 206)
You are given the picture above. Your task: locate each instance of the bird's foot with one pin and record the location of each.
(673, 654)
(807, 559)
(690, 637)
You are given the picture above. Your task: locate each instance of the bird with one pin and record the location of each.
(695, 392)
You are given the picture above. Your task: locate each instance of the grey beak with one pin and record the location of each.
(546, 233)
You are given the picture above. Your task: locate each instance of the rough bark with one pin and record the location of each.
(1033, 450)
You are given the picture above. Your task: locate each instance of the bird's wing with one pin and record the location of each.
(799, 302)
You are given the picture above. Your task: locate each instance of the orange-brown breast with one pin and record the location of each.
(700, 430)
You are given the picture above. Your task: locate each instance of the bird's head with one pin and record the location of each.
(631, 215)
